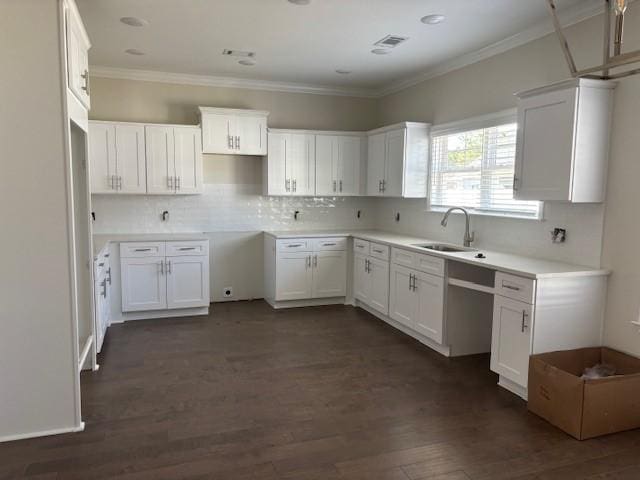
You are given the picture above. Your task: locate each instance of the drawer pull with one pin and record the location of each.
(359, 246)
(101, 264)
(142, 250)
(184, 249)
(376, 250)
(328, 244)
(106, 255)
(510, 287)
(294, 245)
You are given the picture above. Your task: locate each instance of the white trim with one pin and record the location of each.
(43, 433)
(582, 11)
(509, 115)
(227, 82)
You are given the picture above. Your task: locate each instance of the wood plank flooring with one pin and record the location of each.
(327, 393)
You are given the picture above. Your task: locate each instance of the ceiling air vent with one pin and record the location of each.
(238, 53)
(391, 41)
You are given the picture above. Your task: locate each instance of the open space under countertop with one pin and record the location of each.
(504, 262)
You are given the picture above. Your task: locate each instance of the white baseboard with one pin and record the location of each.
(513, 387)
(311, 302)
(182, 312)
(43, 433)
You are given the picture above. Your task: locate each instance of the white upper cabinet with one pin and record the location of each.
(338, 164)
(290, 166)
(77, 48)
(174, 159)
(398, 160)
(562, 147)
(117, 157)
(234, 131)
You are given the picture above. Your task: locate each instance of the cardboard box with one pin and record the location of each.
(585, 408)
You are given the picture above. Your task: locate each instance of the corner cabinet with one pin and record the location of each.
(290, 166)
(562, 145)
(398, 160)
(234, 131)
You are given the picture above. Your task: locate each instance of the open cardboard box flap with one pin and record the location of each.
(585, 408)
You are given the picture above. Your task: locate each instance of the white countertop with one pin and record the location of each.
(100, 241)
(504, 262)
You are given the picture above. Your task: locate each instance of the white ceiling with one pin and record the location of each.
(306, 44)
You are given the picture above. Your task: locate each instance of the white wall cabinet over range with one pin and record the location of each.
(305, 271)
(234, 131)
(371, 274)
(340, 164)
(290, 166)
(562, 146)
(164, 275)
(135, 158)
(398, 160)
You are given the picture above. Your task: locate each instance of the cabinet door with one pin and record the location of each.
(375, 165)
(294, 276)
(130, 159)
(101, 311)
(394, 163)
(329, 274)
(301, 164)
(160, 159)
(251, 133)
(544, 146)
(216, 134)
(77, 58)
(429, 293)
(348, 171)
(361, 279)
(187, 281)
(188, 160)
(379, 293)
(511, 339)
(144, 285)
(277, 182)
(326, 166)
(102, 157)
(402, 299)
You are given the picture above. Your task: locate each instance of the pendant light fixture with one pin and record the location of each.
(614, 13)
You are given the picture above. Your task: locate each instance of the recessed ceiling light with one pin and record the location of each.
(300, 2)
(134, 21)
(134, 51)
(247, 63)
(342, 71)
(433, 19)
(380, 51)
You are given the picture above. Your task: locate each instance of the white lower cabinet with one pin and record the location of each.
(371, 282)
(305, 268)
(416, 300)
(164, 275)
(102, 298)
(511, 339)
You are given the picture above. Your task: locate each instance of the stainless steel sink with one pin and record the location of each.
(442, 247)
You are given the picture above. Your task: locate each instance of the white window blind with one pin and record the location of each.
(474, 169)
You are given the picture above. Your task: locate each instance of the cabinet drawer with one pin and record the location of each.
(361, 246)
(377, 250)
(324, 244)
(517, 288)
(418, 261)
(295, 245)
(141, 249)
(188, 248)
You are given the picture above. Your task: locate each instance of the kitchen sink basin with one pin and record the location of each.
(442, 247)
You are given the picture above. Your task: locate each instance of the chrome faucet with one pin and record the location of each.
(468, 237)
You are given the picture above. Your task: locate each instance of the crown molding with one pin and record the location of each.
(227, 82)
(583, 11)
(577, 14)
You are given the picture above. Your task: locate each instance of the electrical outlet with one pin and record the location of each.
(227, 292)
(558, 235)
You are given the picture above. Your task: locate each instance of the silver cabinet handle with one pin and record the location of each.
(524, 317)
(510, 287)
(238, 142)
(515, 183)
(340, 186)
(376, 250)
(178, 183)
(328, 244)
(112, 183)
(307, 261)
(294, 245)
(229, 141)
(295, 185)
(380, 186)
(384, 186)
(367, 266)
(142, 250)
(109, 277)
(101, 264)
(334, 185)
(86, 87)
(104, 288)
(170, 182)
(106, 255)
(315, 261)
(168, 266)
(287, 185)
(119, 182)
(161, 267)
(184, 249)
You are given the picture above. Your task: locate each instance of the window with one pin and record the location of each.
(472, 166)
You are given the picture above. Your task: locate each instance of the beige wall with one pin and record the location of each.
(136, 101)
(487, 87)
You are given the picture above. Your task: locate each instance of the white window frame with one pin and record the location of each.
(475, 123)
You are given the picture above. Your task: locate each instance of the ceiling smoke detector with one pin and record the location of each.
(300, 2)
(380, 51)
(433, 19)
(343, 71)
(391, 41)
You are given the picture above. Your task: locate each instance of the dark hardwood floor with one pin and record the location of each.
(323, 393)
